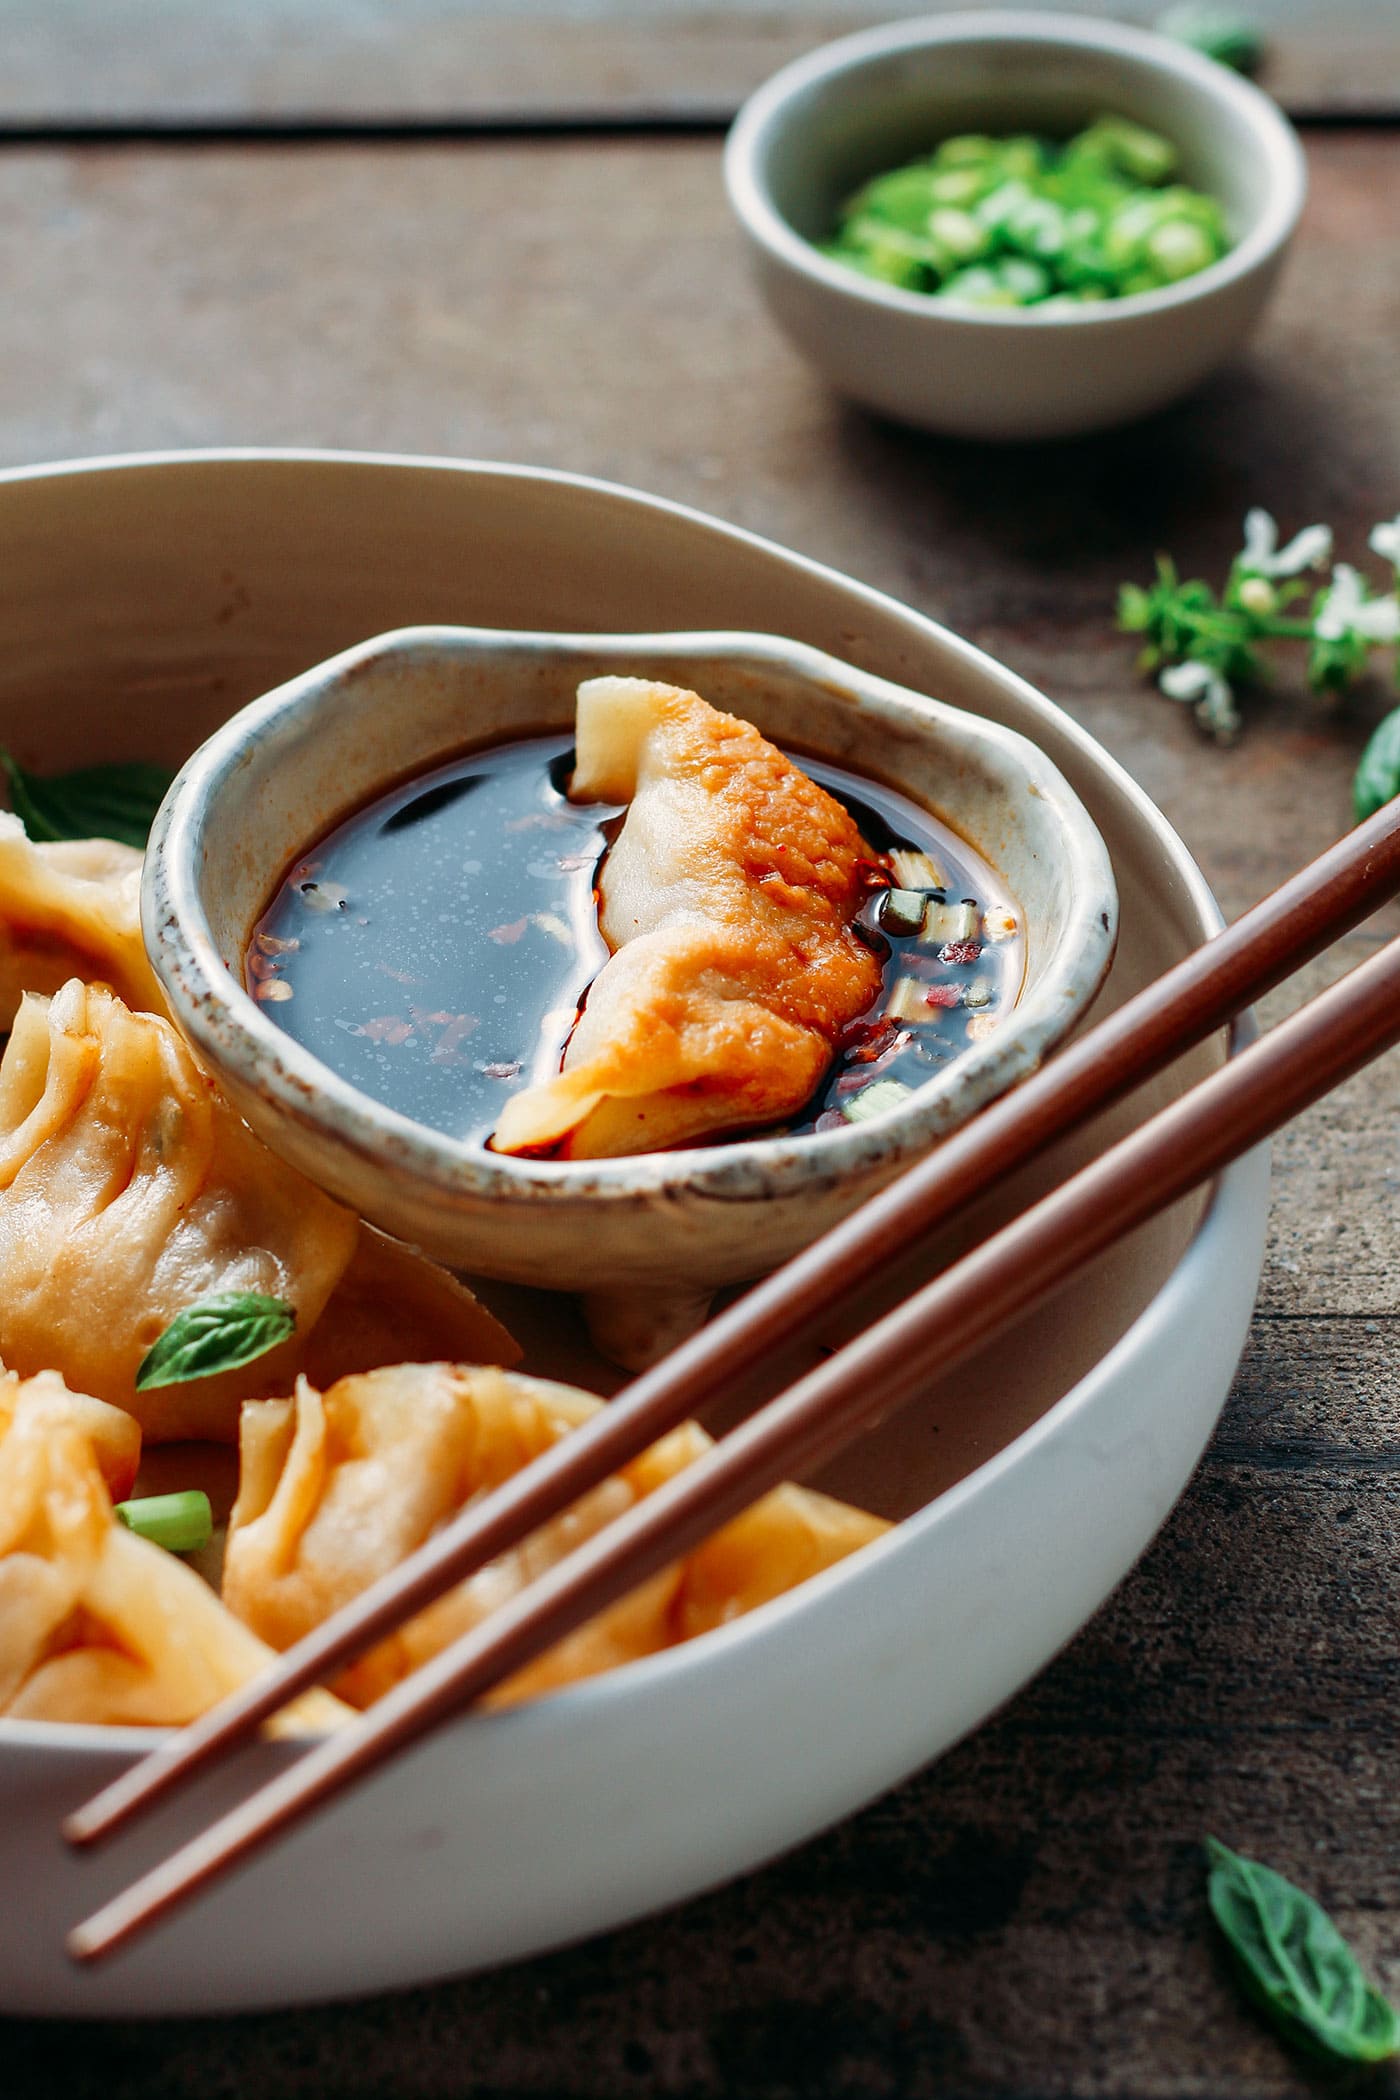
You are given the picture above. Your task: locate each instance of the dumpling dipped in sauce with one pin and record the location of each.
(672, 933)
(728, 900)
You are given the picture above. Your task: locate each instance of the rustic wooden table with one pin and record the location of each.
(436, 228)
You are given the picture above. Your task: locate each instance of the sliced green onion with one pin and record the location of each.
(1177, 249)
(970, 149)
(902, 911)
(900, 201)
(980, 286)
(1026, 279)
(908, 1001)
(979, 993)
(950, 922)
(875, 1100)
(1021, 221)
(1142, 155)
(915, 871)
(957, 187)
(963, 237)
(181, 1523)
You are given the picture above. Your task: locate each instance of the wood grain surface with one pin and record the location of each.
(1026, 1919)
(271, 62)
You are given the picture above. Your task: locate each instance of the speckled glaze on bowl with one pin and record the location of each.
(273, 780)
(809, 136)
(142, 601)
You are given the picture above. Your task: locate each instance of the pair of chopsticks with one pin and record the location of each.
(941, 1324)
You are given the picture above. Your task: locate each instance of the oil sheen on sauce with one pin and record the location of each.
(434, 948)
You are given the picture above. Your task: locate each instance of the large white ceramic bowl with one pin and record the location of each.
(141, 602)
(819, 128)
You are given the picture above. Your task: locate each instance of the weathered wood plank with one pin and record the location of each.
(138, 62)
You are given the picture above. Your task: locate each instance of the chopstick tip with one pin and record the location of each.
(88, 1942)
(82, 1828)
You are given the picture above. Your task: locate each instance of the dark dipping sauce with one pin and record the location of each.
(435, 948)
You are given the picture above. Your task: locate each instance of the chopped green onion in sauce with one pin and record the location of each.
(908, 1001)
(913, 870)
(876, 1100)
(902, 911)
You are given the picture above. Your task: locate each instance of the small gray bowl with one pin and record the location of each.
(807, 138)
(278, 775)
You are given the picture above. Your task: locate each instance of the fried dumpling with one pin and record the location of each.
(337, 1488)
(130, 1190)
(70, 909)
(97, 1624)
(728, 900)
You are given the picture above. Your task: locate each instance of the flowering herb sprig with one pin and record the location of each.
(1202, 645)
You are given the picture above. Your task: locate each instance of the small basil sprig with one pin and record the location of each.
(1378, 775)
(1230, 39)
(218, 1334)
(1201, 644)
(1295, 1964)
(96, 802)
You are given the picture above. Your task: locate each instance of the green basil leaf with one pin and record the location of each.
(97, 802)
(1378, 775)
(217, 1334)
(1295, 1964)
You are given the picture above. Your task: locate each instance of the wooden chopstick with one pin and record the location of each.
(1179, 1010)
(1012, 1271)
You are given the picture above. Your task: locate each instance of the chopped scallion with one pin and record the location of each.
(875, 1100)
(945, 923)
(1019, 222)
(902, 911)
(914, 870)
(181, 1523)
(979, 993)
(908, 1001)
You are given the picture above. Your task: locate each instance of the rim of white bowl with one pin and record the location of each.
(1277, 142)
(89, 1741)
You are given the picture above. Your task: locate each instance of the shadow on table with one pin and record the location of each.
(1181, 480)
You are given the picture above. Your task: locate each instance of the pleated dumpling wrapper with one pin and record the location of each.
(114, 1435)
(71, 908)
(97, 1624)
(130, 1191)
(336, 1489)
(728, 900)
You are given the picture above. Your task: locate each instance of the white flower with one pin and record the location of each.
(1213, 703)
(1347, 610)
(1262, 555)
(1385, 539)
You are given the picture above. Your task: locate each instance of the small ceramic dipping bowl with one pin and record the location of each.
(809, 137)
(270, 783)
